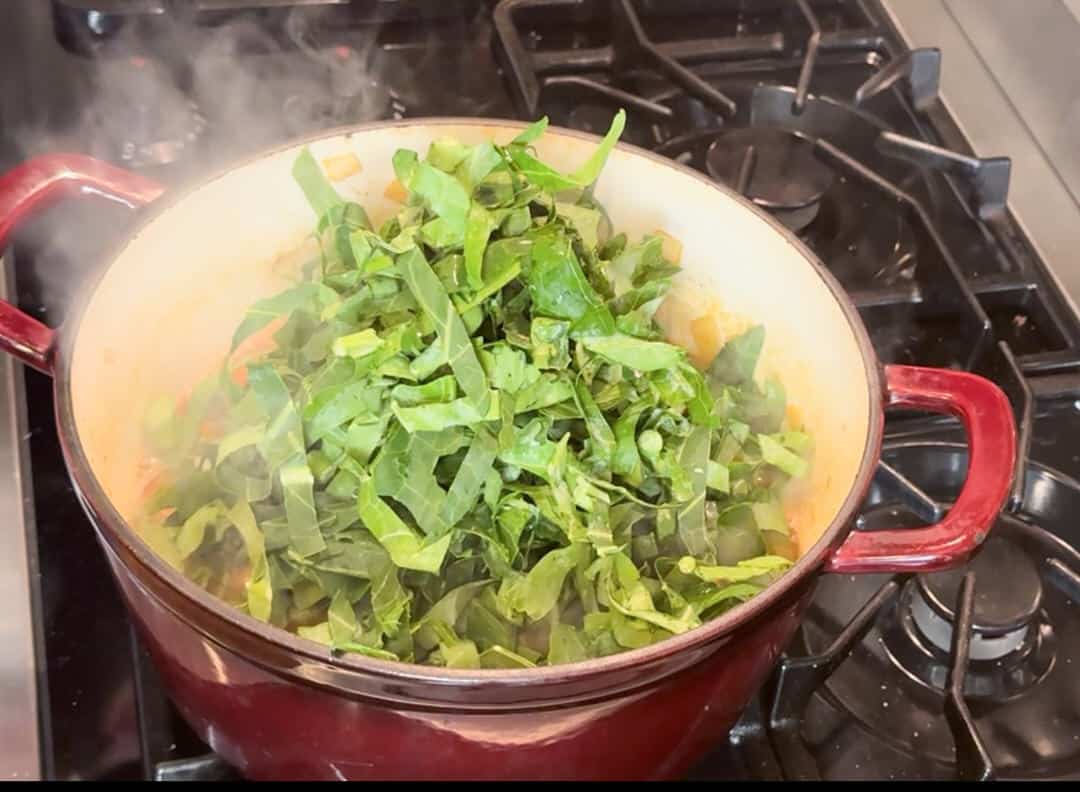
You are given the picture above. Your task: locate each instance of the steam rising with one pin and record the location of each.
(206, 95)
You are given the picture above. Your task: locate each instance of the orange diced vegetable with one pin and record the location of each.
(341, 167)
(396, 191)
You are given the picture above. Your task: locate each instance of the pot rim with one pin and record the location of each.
(115, 529)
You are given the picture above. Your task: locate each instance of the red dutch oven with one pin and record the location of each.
(159, 314)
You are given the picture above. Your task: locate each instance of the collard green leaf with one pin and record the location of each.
(635, 353)
(461, 438)
(695, 460)
(565, 645)
(506, 367)
(440, 235)
(718, 477)
(449, 610)
(481, 160)
(546, 391)
(470, 478)
(742, 572)
(601, 434)
(284, 437)
(774, 452)
(443, 389)
(311, 297)
(341, 404)
(259, 592)
(737, 359)
(454, 343)
(317, 188)
(626, 461)
(769, 516)
(544, 582)
(501, 657)
(446, 153)
(532, 132)
(403, 471)
(585, 221)
(550, 343)
(357, 345)
(590, 170)
(460, 654)
(193, 532)
(438, 416)
(389, 599)
(547, 178)
(477, 231)
(532, 451)
(407, 550)
(559, 288)
(700, 404)
(298, 484)
(484, 626)
(405, 162)
(341, 619)
(444, 194)
(649, 294)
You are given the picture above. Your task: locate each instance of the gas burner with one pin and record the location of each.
(1009, 596)
(141, 118)
(774, 168)
(866, 245)
(1025, 638)
(1013, 642)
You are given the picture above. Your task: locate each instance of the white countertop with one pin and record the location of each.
(1011, 80)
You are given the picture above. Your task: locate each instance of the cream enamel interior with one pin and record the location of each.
(163, 313)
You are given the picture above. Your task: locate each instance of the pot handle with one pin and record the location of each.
(988, 420)
(35, 185)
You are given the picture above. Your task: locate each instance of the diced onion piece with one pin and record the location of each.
(697, 322)
(672, 315)
(707, 340)
(341, 166)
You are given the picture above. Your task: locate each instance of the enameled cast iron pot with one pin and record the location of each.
(160, 315)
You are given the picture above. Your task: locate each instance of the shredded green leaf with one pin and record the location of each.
(467, 442)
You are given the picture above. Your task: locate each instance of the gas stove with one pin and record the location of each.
(827, 114)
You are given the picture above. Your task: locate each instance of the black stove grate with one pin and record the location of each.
(772, 735)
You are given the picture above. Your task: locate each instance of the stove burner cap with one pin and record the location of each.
(1007, 597)
(786, 177)
(1009, 590)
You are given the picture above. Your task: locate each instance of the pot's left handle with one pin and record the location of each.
(34, 185)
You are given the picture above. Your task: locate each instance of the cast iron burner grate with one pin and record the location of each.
(814, 116)
(980, 712)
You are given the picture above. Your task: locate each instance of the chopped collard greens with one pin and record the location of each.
(462, 440)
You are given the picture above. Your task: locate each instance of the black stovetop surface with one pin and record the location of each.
(915, 233)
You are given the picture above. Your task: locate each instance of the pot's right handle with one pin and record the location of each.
(34, 185)
(988, 419)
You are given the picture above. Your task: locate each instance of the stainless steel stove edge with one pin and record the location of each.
(1002, 116)
(20, 753)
